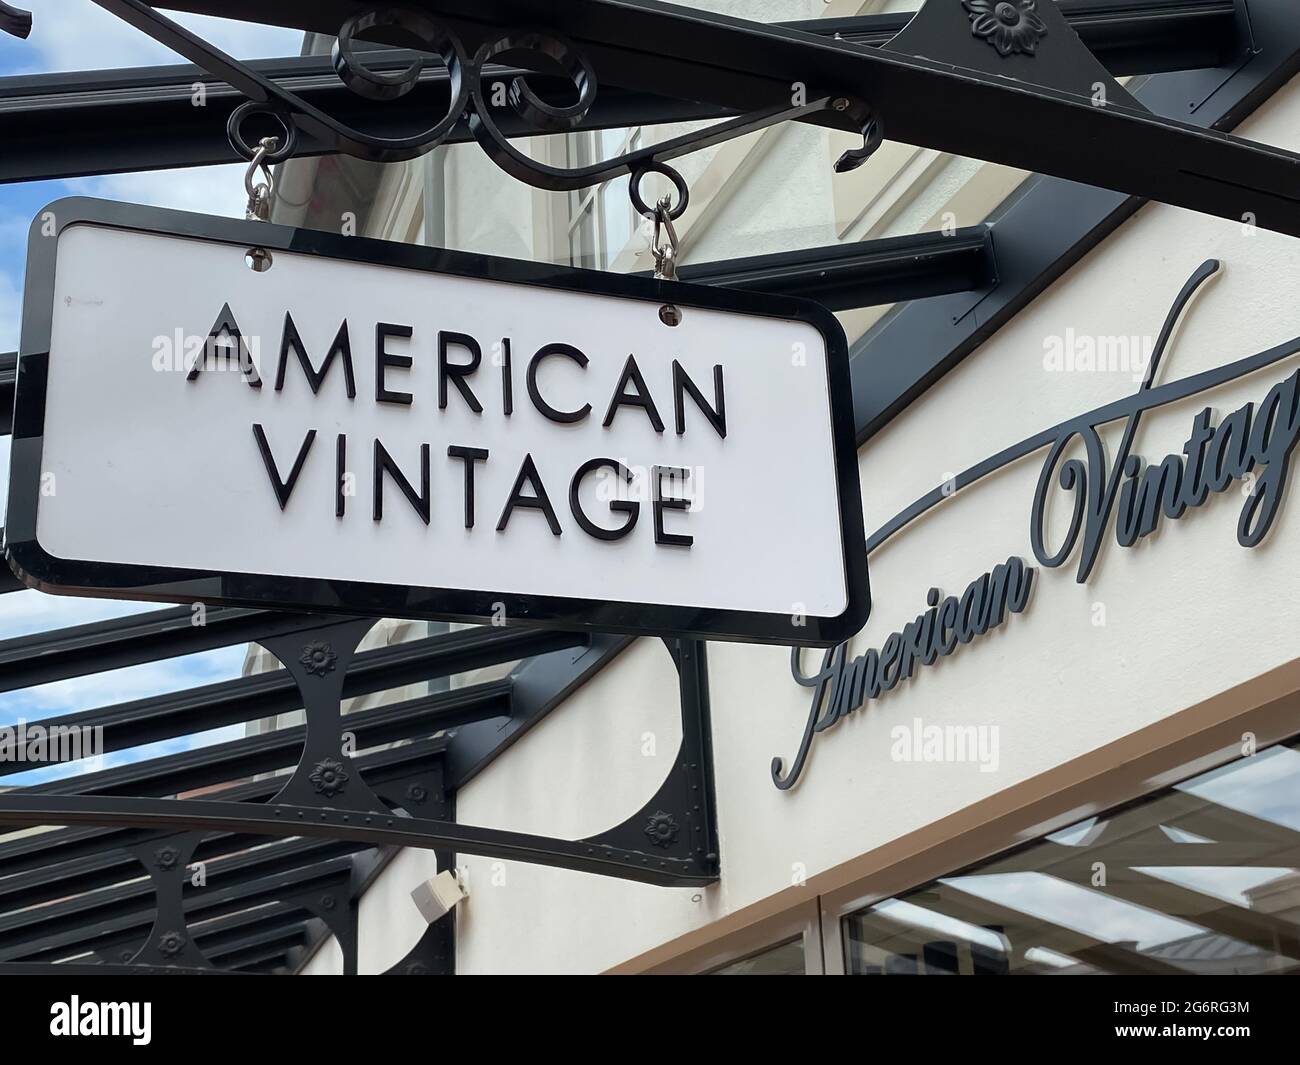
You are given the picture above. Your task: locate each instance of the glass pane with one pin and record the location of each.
(783, 960)
(1198, 879)
(620, 222)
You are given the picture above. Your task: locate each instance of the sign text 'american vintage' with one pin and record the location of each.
(376, 428)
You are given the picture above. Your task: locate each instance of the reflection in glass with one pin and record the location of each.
(783, 960)
(1199, 878)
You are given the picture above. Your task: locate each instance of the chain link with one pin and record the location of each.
(665, 255)
(260, 193)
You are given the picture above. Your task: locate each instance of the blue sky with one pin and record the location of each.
(72, 35)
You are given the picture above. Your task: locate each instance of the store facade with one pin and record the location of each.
(1060, 744)
(1033, 419)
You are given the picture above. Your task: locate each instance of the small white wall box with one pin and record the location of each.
(435, 898)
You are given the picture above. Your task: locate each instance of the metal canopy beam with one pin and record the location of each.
(1033, 124)
(268, 694)
(1049, 224)
(95, 648)
(267, 752)
(869, 273)
(146, 116)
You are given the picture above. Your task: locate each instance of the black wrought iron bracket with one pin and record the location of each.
(471, 99)
(1008, 82)
(671, 842)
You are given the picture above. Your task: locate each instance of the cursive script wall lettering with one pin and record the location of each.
(842, 685)
(1255, 441)
(1213, 457)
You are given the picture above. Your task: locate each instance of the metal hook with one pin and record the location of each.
(665, 256)
(259, 195)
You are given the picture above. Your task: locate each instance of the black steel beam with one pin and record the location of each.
(270, 955)
(221, 763)
(216, 937)
(863, 274)
(38, 851)
(267, 694)
(1128, 36)
(1048, 225)
(1046, 119)
(87, 848)
(8, 378)
(114, 914)
(103, 645)
(94, 122)
(112, 866)
(108, 917)
(219, 934)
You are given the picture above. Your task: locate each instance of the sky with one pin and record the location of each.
(75, 35)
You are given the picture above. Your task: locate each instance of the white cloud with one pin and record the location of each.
(26, 612)
(205, 189)
(121, 685)
(81, 35)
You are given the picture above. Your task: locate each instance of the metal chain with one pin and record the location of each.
(665, 255)
(259, 194)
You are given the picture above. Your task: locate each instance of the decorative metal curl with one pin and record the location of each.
(469, 98)
(286, 145)
(15, 21)
(873, 135)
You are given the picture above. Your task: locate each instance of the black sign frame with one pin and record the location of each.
(38, 569)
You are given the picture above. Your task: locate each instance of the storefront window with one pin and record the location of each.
(602, 221)
(787, 959)
(1201, 878)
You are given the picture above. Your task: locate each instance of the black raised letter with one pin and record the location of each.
(621, 398)
(631, 508)
(537, 501)
(384, 461)
(661, 504)
(507, 384)
(226, 324)
(341, 346)
(468, 455)
(283, 489)
(562, 416)
(458, 371)
(383, 360)
(340, 471)
(682, 384)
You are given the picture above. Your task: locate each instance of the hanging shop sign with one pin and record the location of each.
(238, 412)
(1124, 495)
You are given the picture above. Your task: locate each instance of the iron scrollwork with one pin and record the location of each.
(15, 21)
(473, 97)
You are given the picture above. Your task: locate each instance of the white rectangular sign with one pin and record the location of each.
(384, 429)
